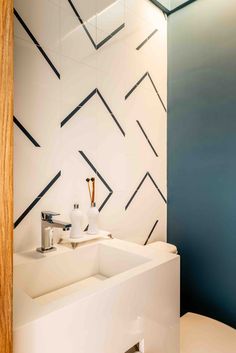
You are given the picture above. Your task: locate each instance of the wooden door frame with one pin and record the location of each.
(6, 174)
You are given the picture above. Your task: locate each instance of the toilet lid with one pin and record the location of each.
(161, 245)
(200, 334)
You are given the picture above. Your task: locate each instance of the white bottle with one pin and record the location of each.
(76, 223)
(93, 215)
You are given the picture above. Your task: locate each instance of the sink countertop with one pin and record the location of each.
(32, 255)
(27, 309)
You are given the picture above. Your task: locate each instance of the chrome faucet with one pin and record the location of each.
(48, 223)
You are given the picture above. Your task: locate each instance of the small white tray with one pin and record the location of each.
(102, 234)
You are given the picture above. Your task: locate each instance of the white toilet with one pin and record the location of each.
(200, 334)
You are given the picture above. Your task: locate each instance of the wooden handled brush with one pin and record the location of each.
(93, 191)
(90, 194)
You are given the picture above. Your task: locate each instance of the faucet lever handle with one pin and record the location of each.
(47, 215)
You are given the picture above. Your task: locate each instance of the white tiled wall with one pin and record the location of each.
(43, 101)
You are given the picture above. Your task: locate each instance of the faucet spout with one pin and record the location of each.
(60, 224)
(48, 223)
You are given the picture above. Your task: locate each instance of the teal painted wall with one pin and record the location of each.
(202, 155)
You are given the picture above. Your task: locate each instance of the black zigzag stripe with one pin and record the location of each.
(140, 81)
(150, 234)
(82, 22)
(161, 7)
(170, 12)
(147, 138)
(74, 111)
(84, 101)
(36, 200)
(100, 177)
(109, 110)
(180, 7)
(25, 132)
(146, 40)
(139, 186)
(100, 44)
(36, 43)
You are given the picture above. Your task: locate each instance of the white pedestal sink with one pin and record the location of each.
(102, 297)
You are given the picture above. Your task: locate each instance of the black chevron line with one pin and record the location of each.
(152, 230)
(109, 110)
(161, 7)
(36, 43)
(74, 111)
(100, 44)
(84, 101)
(147, 39)
(138, 83)
(25, 132)
(170, 12)
(36, 200)
(82, 22)
(180, 7)
(139, 186)
(154, 86)
(100, 177)
(135, 86)
(149, 142)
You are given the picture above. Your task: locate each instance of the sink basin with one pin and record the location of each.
(102, 297)
(54, 277)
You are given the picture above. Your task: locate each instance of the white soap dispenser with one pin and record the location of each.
(76, 222)
(93, 215)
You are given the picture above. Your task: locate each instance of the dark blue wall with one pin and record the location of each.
(202, 155)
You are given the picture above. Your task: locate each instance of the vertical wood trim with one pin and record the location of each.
(6, 173)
